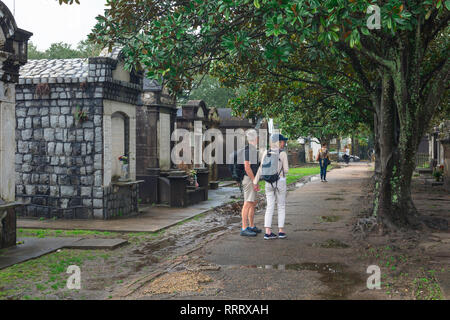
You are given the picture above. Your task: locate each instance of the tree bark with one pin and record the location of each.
(376, 142)
(388, 152)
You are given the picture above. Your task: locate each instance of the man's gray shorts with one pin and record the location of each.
(249, 192)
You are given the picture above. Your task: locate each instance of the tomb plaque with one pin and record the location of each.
(164, 141)
(7, 151)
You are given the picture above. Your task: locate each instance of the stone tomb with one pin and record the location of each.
(13, 54)
(156, 117)
(194, 117)
(75, 118)
(444, 138)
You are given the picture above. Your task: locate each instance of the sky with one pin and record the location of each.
(50, 23)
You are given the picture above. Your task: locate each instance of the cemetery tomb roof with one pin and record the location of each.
(55, 68)
(152, 85)
(115, 53)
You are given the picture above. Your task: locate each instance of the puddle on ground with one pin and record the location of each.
(335, 276)
(310, 179)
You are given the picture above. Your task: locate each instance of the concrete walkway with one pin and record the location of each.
(150, 219)
(258, 268)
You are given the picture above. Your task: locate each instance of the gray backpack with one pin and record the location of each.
(269, 172)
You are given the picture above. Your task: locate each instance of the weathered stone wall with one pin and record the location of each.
(60, 160)
(121, 201)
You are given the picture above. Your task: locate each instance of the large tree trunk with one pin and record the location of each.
(404, 106)
(386, 124)
(376, 144)
(404, 205)
(413, 113)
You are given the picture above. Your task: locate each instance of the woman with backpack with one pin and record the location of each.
(324, 160)
(273, 170)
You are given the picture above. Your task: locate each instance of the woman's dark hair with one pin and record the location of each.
(324, 144)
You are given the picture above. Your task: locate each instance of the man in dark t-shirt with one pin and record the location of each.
(251, 165)
(252, 156)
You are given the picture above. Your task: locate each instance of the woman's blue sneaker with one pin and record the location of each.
(255, 229)
(282, 235)
(270, 236)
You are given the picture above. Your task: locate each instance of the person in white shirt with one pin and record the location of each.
(275, 191)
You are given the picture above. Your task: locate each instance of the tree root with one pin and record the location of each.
(363, 227)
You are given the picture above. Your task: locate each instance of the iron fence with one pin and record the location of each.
(422, 160)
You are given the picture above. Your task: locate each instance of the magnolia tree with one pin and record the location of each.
(347, 61)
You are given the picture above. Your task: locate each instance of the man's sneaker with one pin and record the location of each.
(282, 235)
(248, 233)
(270, 236)
(255, 229)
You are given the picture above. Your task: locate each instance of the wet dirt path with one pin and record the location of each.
(318, 260)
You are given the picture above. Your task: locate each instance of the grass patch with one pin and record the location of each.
(134, 237)
(400, 276)
(426, 286)
(295, 174)
(49, 233)
(36, 278)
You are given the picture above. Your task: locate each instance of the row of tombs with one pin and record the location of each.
(65, 124)
(94, 141)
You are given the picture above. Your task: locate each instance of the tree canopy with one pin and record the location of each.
(210, 90)
(61, 50)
